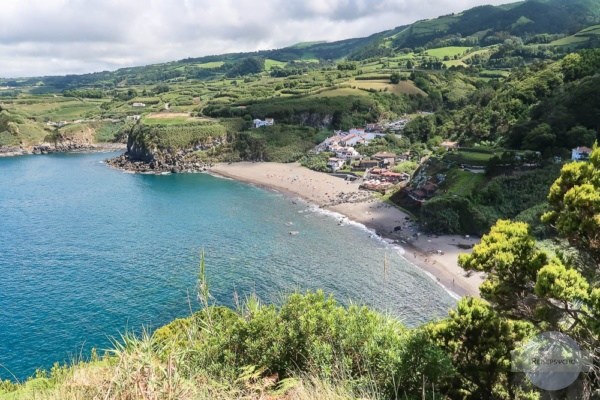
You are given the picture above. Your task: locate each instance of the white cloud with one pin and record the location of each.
(44, 37)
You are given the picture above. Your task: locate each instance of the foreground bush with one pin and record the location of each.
(309, 334)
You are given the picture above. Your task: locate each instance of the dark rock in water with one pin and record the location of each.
(398, 228)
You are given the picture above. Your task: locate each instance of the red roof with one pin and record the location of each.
(583, 149)
(391, 174)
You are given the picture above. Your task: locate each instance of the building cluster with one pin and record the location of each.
(342, 144)
(396, 126)
(378, 168)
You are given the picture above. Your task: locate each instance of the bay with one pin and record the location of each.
(88, 252)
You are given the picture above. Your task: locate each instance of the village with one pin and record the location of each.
(376, 170)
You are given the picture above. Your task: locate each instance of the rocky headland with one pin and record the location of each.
(174, 149)
(160, 162)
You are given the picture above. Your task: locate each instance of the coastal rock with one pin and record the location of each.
(143, 156)
(158, 162)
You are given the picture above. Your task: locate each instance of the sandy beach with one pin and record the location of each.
(437, 255)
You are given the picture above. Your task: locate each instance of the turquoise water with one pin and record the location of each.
(87, 252)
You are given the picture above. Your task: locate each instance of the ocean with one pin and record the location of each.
(88, 252)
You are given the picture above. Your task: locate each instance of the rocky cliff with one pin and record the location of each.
(160, 149)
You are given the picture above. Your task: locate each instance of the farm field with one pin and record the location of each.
(404, 87)
(450, 51)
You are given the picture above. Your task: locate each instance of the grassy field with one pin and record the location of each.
(463, 183)
(469, 157)
(167, 119)
(213, 64)
(340, 93)
(270, 64)
(454, 63)
(569, 41)
(449, 51)
(404, 87)
(594, 29)
(578, 38)
(54, 108)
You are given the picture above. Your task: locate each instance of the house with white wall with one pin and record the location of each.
(581, 153)
(267, 122)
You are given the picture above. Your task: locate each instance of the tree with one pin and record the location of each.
(409, 64)
(480, 341)
(395, 77)
(540, 138)
(163, 88)
(575, 202)
(246, 66)
(509, 256)
(580, 136)
(527, 283)
(424, 364)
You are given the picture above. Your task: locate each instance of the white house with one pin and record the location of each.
(267, 122)
(347, 153)
(138, 105)
(581, 153)
(350, 139)
(335, 163)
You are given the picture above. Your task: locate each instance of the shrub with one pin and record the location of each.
(452, 214)
(309, 334)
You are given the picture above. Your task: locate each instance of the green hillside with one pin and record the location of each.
(530, 22)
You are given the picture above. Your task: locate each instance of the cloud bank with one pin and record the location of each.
(56, 37)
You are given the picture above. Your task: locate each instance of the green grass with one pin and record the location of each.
(496, 73)
(449, 51)
(569, 41)
(55, 108)
(403, 57)
(474, 158)
(340, 93)
(578, 38)
(212, 64)
(595, 29)
(166, 121)
(403, 87)
(107, 132)
(463, 183)
(454, 63)
(270, 64)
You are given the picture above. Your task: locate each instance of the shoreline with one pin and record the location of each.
(437, 256)
(47, 149)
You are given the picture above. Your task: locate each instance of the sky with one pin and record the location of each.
(57, 37)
